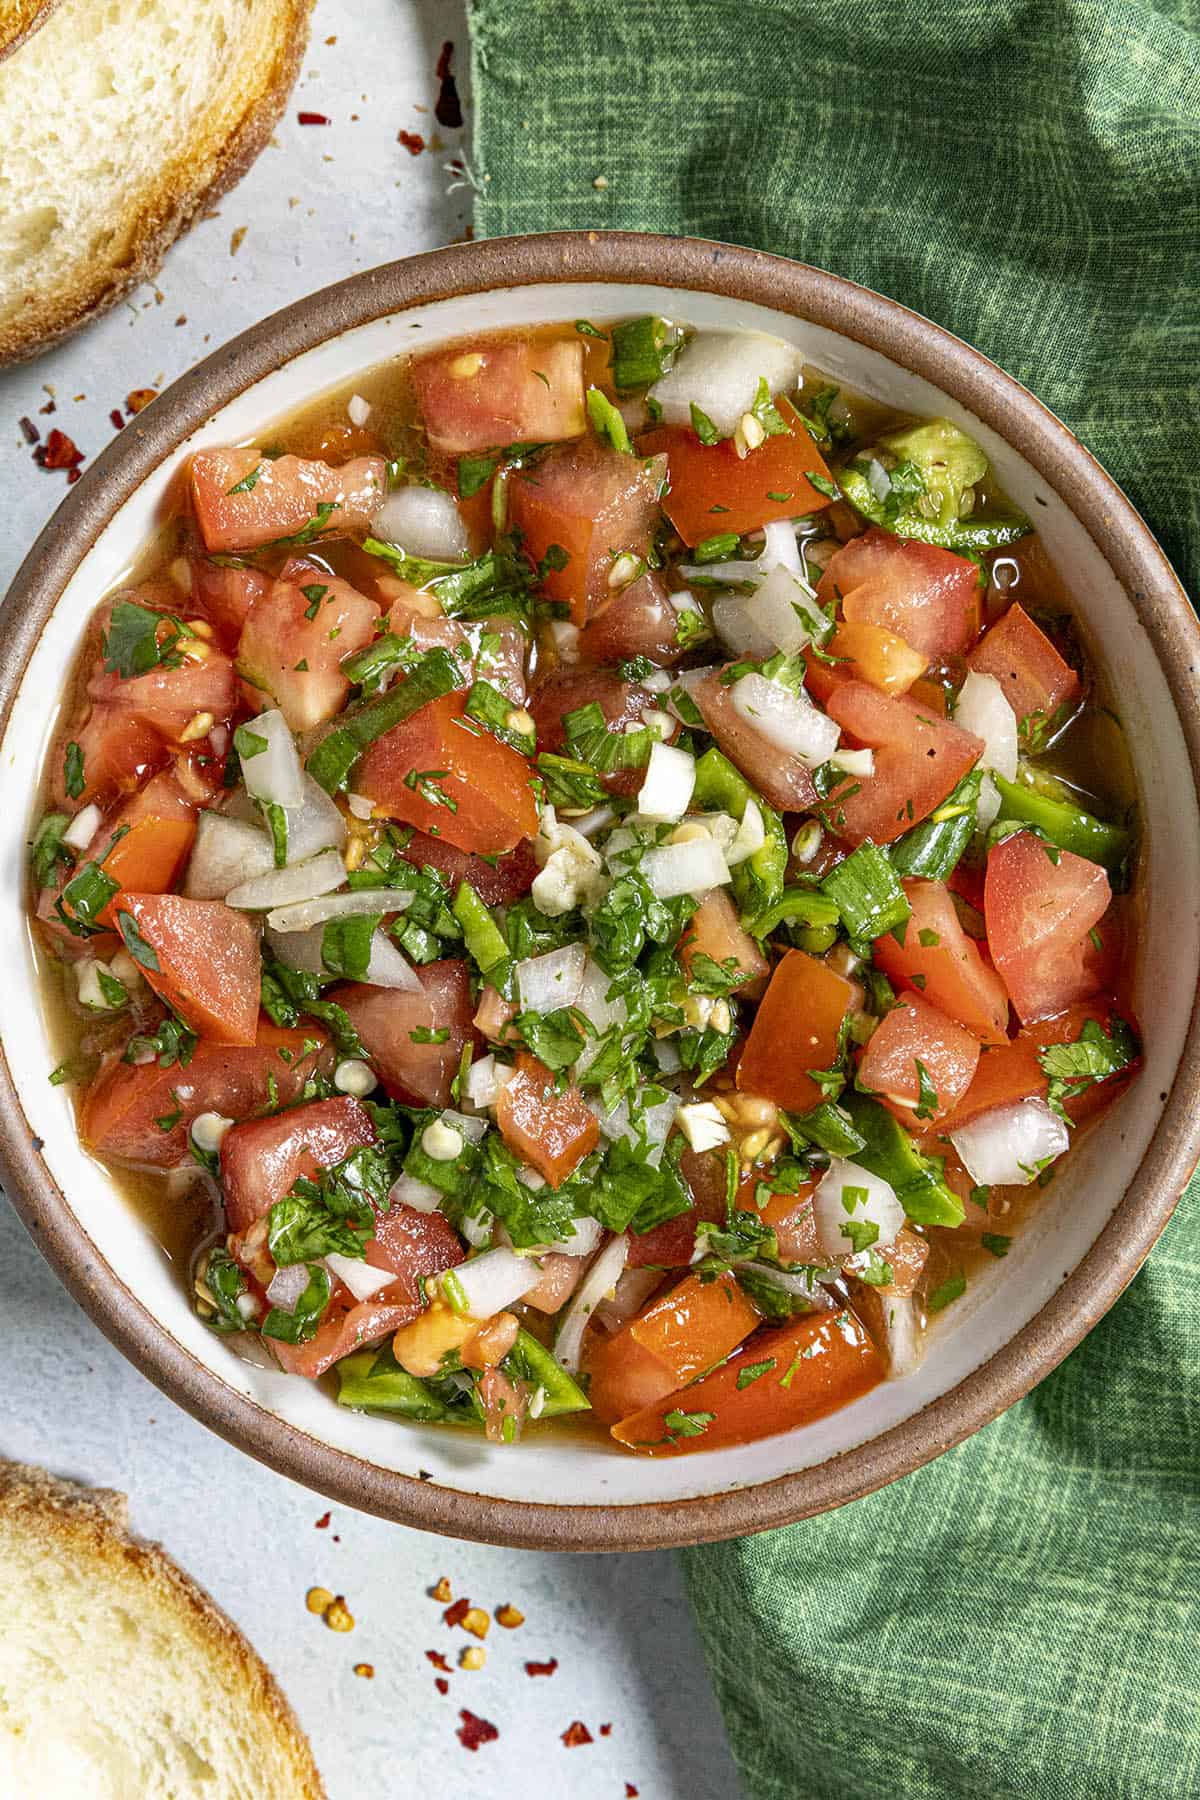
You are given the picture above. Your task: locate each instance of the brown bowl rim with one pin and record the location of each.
(919, 346)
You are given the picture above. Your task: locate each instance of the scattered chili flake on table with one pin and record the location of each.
(413, 142)
(29, 431)
(476, 1621)
(631, 1792)
(312, 118)
(508, 1616)
(606, 1730)
(235, 240)
(366, 1670)
(117, 419)
(576, 1733)
(473, 1657)
(454, 1615)
(441, 1684)
(338, 1617)
(317, 1599)
(542, 1668)
(474, 1731)
(139, 398)
(322, 1523)
(58, 452)
(441, 1590)
(438, 1660)
(448, 107)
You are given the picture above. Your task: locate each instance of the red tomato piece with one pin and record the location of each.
(919, 759)
(262, 1159)
(278, 498)
(1012, 1071)
(639, 621)
(201, 956)
(169, 699)
(225, 596)
(486, 396)
(943, 963)
(418, 1074)
(497, 883)
(715, 931)
(121, 1109)
(795, 1029)
(678, 1336)
(450, 778)
(149, 857)
(561, 1275)
(914, 1033)
(925, 595)
(672, 1244)
(562, 691)
(621, 1376)
(552, 1131)
(816, 1364)
(713, 489)
(290, 651)
(792, 1220)
(1040, 903)
(1033, 675)
(783, 780)
(592, 504)
(119, 751)
(865, 653)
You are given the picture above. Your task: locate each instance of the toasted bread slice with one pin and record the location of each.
(118, 1675)
(17, 19)
(120, 122)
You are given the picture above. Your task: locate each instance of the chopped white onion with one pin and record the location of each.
(987, 807)
(738, 632)
(783, 610)
(545, 983)
(719, 372)
(691, 868)
(780, 549)
(600, 1281)
(226, 852)
(422, 1196)
(854, 762)
(360, 805)
(359, 903)
(737, 572)
(485, 1078)
(584, 1240)
(597, 820)
(788, 721)
(800, 1282)
(835, 1204)
(666, 1055)
(287, 1285)
(878, 479)
(273, 774)
(316, 824)
(651, 1125)
(751, 835)
(982, 708)
(465, 1124)
(361, 1278)
(906, 1343)
(358, 410)
(1010, 1145)
(495, 1280)
(354, 1076)
(566, 640)
(666, 789)
(425, 522)
(661, 679)
(388, 969)
(83, 827)
(286, 887)
(385, 969)
(702, 1125)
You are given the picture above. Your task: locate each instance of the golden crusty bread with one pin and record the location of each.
(17, 19)
(119, 1677)
(121, 120)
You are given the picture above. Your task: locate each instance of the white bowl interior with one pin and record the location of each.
(581, 1471)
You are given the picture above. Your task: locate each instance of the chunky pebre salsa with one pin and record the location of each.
(591, 876)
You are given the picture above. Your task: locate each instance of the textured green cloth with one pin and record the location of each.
(1022, 1617)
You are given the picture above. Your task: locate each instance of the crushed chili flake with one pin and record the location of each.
(58, 452)
(312, 118)
(366, 1670)
(413, 142)
(441, 1590)
(576, 1733)
(438, 1661)
(546, 1668)
(606, 1731)
(73, 476)
(448, 107)
(332, 40)
(139, 398)
(474, 1731)
(476, 1621)
(454, 1615)
(323, 1522)
(29, 431)
(117, 418)
(441, 1684)
(509, 1616)
(235, 240)
(631, 1792)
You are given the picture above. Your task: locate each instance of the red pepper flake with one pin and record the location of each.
(441, 1590)
(311, 118)
(576, 1733)
(73, 476)
(58, 452)
(182, 319)
(474, 1731)
(413, 142)
(631, 1792)
(51, 406)
(235, 239)
(139, 398)
(606, 1731)
(323, 1522)
(441, 1684)
(448, 108)
(438, 1661)
(454, 1615)
(366, 1670)
(118, 419)
(29, 431)
(546, 1668)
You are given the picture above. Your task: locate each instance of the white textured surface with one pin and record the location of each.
(619, 1626)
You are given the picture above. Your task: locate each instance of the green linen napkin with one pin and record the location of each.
(1019, 1620)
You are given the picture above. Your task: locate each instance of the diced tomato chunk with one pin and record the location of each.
(1012, 1072)
(685, 1331)
(919, 759)
(169, 699)
(290, 651)
(919, 1062)
(140, 1113)
(589, 504)
(639, 621)
(815, 1364)
(713, 489)
(385, 1019)
(782, 779)
(938, 958)
(244, 499)
(411, 1244)
(925, 595)
(450, 778)
(1040, 903)
(715, 931)
(1033, 675)
(119, 751)
(552, 1131)
(149, 857)
(791, 1218)
(498, 881)
(481, 397)
(561, 1275)
(672, 1244)
(262, 1159)
(201, 956)
(864, 653)
(563, 691)
(622, 1377)
(225, 596)
(795, 1029)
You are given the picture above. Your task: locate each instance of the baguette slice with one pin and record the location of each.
(121, 120)
(17, 19)
(118, 1675)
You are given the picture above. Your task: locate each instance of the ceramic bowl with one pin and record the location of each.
(1104, 1211)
